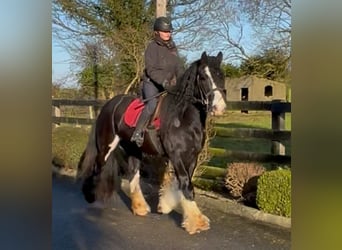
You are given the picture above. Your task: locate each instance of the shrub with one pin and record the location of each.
(68, 144)
(240, 178)
(274, 192)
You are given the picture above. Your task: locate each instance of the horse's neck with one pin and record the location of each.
(203, 114)
(185, 98)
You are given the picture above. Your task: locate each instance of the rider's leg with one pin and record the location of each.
(138, 136)
(149, 90)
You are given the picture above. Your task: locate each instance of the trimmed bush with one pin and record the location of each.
(274, 192)
(68, 144)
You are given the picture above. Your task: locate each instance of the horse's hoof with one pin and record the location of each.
(97, 204)
(140, 209)
(196, 223)
(163, 209)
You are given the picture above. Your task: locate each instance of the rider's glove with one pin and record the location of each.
(165, 83)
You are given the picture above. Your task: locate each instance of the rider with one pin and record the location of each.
(162, 67)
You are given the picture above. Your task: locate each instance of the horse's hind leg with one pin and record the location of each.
(139, 204)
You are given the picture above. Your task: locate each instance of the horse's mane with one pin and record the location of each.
(184, 89)
(185, 94)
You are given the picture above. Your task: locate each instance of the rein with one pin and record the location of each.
(152, 97)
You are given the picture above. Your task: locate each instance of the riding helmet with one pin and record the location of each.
(162, 24)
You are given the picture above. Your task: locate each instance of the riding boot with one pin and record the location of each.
(138, 134)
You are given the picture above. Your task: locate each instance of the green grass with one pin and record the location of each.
(254, 119)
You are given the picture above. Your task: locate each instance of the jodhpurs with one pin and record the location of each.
(150, 89)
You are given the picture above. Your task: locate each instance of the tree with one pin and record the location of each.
(122, 27)
(240, 29)
(230, 70)
(271, 64)
(272, 19)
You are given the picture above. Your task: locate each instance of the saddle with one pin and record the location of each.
(134, 110)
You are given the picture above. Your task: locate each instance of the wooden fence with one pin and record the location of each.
(211, 176)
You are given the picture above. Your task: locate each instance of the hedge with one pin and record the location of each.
(274, 192)
(68, 144)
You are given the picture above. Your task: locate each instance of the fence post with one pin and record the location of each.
(278, 123)
(91, 112)
(57, 113)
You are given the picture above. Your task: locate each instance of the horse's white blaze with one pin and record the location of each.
(112, 146)
(218, 104)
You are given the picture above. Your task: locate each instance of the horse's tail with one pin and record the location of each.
(86, 167)
(100, 181)
(86, 163)
(108, 180)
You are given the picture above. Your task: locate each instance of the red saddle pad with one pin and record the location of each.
(133, 112)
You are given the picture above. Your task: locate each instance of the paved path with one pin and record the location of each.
(76, 225)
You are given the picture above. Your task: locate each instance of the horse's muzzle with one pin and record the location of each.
(215, 111)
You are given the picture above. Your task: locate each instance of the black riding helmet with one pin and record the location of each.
(162, 24)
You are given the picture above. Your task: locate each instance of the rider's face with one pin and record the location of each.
(165, 35)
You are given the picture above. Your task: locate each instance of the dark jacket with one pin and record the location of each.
(162, 62)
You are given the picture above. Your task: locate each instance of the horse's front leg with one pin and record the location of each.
(169, 193)
(139, 204)
(194, 221)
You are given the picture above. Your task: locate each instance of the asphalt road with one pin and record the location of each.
(76, 225)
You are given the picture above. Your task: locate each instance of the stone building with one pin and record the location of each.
(252, 88)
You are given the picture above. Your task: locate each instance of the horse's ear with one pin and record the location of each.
(219, 57)
(204, 57)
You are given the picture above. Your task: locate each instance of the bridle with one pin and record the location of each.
(204, 95)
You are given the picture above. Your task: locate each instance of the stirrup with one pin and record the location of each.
(138, 138)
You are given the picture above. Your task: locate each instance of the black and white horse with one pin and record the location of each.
(179, 139)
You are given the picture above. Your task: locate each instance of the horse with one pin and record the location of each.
(198, 93)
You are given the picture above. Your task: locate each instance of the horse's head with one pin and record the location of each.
(211, 82)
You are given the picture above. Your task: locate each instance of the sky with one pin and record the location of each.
(61, 66)
(60, 62)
